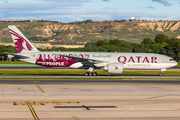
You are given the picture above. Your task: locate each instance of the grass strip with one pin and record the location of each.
(80, 72)
(85, 78)
(13, 62)
(19, 65)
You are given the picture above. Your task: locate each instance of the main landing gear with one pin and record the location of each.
(90, 73)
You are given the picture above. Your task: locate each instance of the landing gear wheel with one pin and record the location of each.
(161, 74)
(95, 73)
(90, 74)
(86, 74)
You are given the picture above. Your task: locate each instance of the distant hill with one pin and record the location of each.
(86, 32)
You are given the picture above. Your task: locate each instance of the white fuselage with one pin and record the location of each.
(129, 60)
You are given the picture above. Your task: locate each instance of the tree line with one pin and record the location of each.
(161, 44)
(10, 49)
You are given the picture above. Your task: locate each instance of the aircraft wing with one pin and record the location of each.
(85, 61)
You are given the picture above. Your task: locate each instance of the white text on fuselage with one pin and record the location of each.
(54, 57)
(103, 56)
(51, 63)
(139, 65)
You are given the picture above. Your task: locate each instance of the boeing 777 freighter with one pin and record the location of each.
(112, 62)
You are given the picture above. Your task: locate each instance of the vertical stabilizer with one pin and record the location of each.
(21, 42)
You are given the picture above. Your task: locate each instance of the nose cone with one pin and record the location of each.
(174, 64)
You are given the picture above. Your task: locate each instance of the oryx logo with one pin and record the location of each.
(20, 42)
(116, 68)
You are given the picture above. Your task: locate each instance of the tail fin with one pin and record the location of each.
(21, 42)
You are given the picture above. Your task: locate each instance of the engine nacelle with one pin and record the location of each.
(114, 68)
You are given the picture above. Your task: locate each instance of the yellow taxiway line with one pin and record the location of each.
(40, 89)
(32, 111)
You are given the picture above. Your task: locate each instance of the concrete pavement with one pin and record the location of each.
(131, 101)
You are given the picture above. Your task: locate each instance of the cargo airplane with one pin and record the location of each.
(112, 62)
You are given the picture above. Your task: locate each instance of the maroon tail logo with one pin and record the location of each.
(19, 42)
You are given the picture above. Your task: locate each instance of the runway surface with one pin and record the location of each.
(94, 77)
(89, 99)
(96, 82)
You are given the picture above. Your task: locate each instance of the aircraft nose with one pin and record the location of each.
(175, 63)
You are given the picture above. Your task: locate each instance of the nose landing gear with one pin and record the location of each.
(162, 70)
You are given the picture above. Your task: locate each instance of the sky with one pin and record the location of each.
(78, 10)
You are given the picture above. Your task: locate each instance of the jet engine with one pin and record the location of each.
(114, 68)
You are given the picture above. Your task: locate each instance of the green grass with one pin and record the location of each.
(17, 63)
(178, 64)
(43, 72)
(90, 78)
(80, 72)
(13, 62)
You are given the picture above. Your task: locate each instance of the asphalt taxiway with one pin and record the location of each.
(90, 82)
(93, 77)
(28, 99)
(115, 97)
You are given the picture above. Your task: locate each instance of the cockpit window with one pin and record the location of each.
(171, 59)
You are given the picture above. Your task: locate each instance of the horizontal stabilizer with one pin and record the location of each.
(15, 56)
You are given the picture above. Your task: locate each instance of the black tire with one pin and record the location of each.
(95, 73)
(86, 74)
(161, 74)
(90, 74)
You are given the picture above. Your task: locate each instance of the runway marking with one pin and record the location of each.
(75, 117)
(34, 81)
(42, 103)
(128, 110)
(58, 103)
(32, 111)
(39, 103)
(160, 96)
(15, 103)
(40, 89)
(83, 106)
